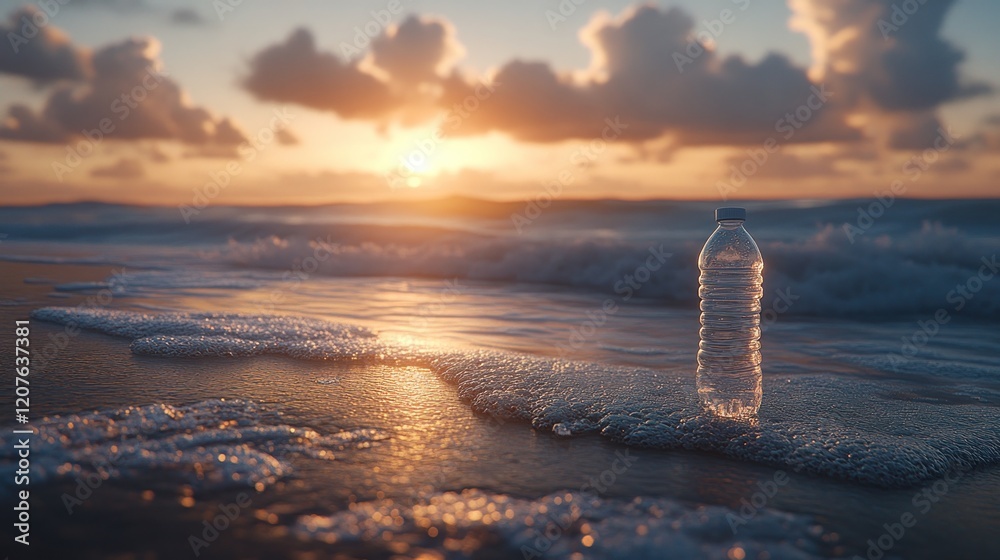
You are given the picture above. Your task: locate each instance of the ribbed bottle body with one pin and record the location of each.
(729, 372)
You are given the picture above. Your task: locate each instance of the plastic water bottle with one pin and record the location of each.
(729, 373)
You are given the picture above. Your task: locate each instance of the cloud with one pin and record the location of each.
(636, 77)
(892, 65)
(986, 137)
(417, 51)
(875, 51)
(953, 165)
(186, 16)
(888, 72)
(532, 103)
(399, 79)
(124, 168)
(914, 131)
(786, 165)
(295, 72)
(23, 124)
(41, 53)
(128, 96)
(649, 71)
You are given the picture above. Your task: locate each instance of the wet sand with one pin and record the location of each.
(436, 443)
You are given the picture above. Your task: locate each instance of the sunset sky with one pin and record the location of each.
(295, 103)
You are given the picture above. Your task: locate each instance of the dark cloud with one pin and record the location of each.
(228, 133)
(637, 78)
(186, 16)
(892, 65)
(23, 124)
(914, 132)
(39, 52)
(875, 51)
(529, 102)
(890, 68)
(124, 168)
(389, 83)
(417, 51)
(651, 74)
(130, 96)
(786, 165)
(295, 72)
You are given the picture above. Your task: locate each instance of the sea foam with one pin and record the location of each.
(573, 525)
(876, 432)
(208, 445)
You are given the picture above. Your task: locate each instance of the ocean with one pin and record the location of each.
(465, 378)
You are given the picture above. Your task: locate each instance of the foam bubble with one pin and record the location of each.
(877, 432)
(870, 432)
(206, 445)
(570, 523)
(221, 334)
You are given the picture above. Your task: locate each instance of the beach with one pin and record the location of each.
(384, 417)
(529, 280)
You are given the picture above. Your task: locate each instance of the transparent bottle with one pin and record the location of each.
(731, 281)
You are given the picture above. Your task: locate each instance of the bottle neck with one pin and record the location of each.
(730, 224)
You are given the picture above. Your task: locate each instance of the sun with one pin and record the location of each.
(417, 170)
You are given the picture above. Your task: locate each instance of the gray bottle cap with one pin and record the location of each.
(730, 213)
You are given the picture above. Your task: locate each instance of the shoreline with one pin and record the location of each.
(436, 444)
